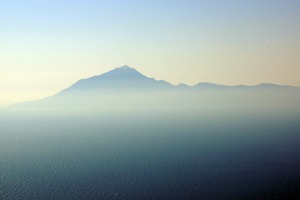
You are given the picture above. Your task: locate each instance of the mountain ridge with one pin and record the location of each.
(128, 73)
(123, 77)
(127, 84)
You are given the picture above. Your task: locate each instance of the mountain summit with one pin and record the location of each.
(124, 72)
(121, 78)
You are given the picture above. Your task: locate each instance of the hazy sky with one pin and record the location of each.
(46, 45)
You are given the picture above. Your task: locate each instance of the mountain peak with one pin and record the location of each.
(123, 77)
(125, 67)
(123, 72)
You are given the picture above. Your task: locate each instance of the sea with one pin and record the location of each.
(151, 153)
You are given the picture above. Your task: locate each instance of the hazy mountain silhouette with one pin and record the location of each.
(127, 78)
(127, 86)
(122, 78)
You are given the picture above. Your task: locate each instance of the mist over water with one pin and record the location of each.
(151, 152)
(122, 135)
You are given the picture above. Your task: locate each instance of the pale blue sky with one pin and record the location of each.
(47, 45)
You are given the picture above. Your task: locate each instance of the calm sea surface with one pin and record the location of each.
(151, 153)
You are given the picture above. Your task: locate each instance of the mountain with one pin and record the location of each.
(127, 86)
(127, 78)
(120, 79)
(207, 85)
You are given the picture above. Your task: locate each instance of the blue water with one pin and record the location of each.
(153, 153)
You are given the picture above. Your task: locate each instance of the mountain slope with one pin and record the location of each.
(122, 78)
(125, 86)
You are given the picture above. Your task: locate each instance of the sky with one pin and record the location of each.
(46, 46)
